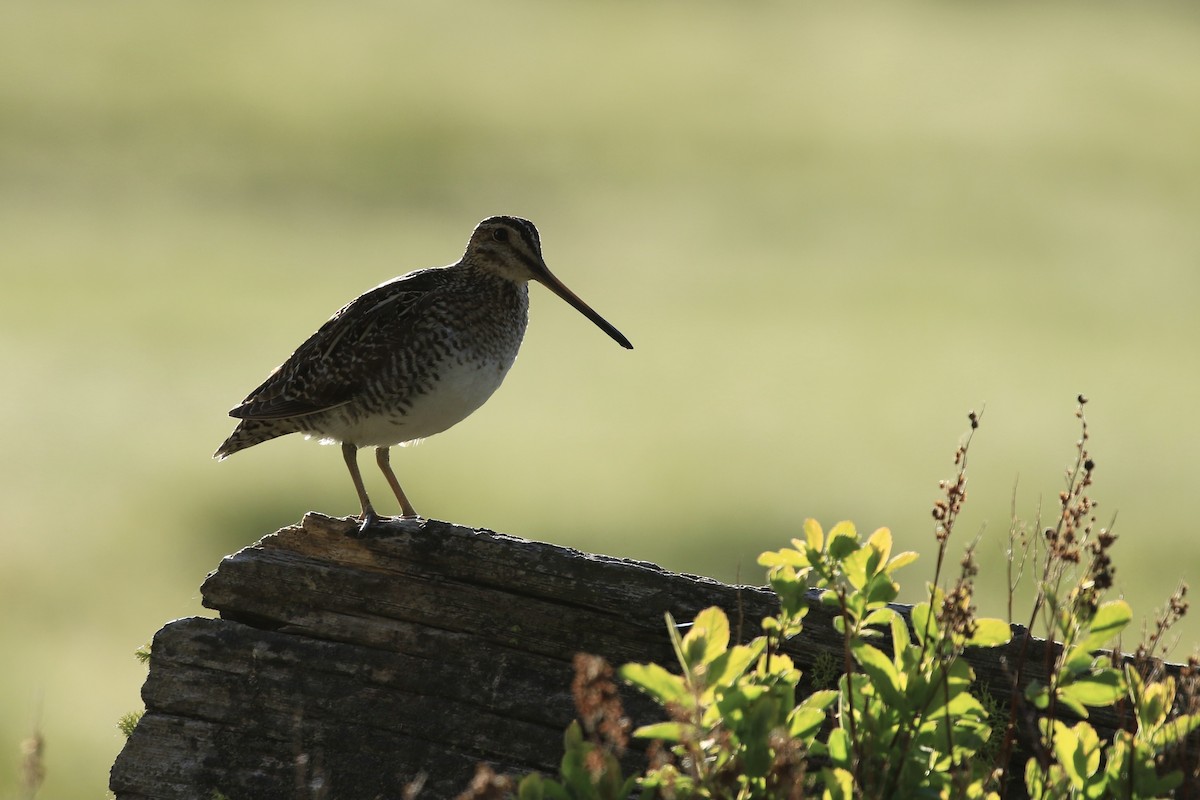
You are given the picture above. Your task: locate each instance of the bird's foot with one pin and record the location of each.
(368, 519)
(409, 521)
(370, 522)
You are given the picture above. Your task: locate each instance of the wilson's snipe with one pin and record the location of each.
(410, 358)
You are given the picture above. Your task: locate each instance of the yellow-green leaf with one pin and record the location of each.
(655, 681)
(813, 534)
(881, 616)
(924, 624)
(1174, 731)
(881, 540)
(855, 566)
(843, 540)
(707, 638)
(883, 673)
(783, 558)
(839, 784)
(1099, 689)
(665, 731)
(530, 787)
(1111, 618)
(901, 560)
(726, 667)
(990, 632)
(839, 746)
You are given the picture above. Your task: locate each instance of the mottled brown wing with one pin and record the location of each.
(329, 369)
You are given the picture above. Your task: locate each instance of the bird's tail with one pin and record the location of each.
(250, 432)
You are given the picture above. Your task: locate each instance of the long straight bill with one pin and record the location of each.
(552, 283)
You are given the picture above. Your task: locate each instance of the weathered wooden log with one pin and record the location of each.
(346, 666)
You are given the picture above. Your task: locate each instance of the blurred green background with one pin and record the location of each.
(829, 231)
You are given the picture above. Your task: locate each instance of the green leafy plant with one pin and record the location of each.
(129, 721)
(903, 715)
(904, 721)
(1085, 767)
(590, 769)
(588, 772)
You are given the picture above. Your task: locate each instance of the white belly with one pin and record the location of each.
(460, 390)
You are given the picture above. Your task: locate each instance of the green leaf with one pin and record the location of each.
(573, 769)
(962, 704)
(1174, 731)
(1078, 753)
(655, 681)
(573, 737)
(707, 638)
(855, 565)
(881, 541)
(881, 589)
(990, 632)
(755, 737)
(839, 784)
(1153, 702)
(882, 671)
(1077, 661)
(805, 723)
(839, 747)
(806, 719)
(843, 540)
(822, 699)
(1089, 741)
(664, 731)
(783, 558)
(881, 617)
(1131, 763)
(1035, 779)
(556, 791)
(856, 605)
(1098, 689)
(1111, 618)
(1066, 748)
(813, 535)
(924, 625)
(676, 640)
(901, 560)
(531, 788)
(1071, 704)
(900, 639)
(779, 665)
(728, 666)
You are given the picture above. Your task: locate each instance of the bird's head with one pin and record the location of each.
(511, 248)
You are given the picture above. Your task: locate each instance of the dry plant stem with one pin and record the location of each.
(1172, 613)
(1016, 532)
(945, 514)
(1052, 567)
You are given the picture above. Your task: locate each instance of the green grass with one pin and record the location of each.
(828, 232)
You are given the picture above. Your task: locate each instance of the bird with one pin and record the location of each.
(410, 358)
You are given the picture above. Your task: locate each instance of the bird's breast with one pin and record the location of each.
(454, 360)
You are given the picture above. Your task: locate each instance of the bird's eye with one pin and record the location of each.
(500, 234)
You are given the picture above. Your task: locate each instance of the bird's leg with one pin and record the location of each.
(368, 517)
(384, 458)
